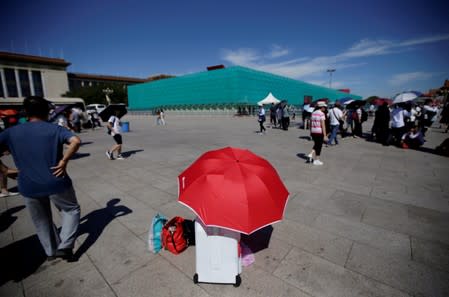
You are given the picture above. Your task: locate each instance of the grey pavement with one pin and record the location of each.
(373, 221)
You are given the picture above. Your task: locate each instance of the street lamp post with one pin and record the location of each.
(330, 76)
(108, 92)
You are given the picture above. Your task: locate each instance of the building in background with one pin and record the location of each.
(233, 86)
(81, 80)
(25, 75)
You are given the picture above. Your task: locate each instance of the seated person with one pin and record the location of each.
(412, 139)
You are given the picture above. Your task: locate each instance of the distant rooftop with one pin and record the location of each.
(33, 59)
(105, 77)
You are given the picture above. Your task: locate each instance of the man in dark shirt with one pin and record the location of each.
(38, 152)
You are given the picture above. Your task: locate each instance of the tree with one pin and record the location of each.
(95, 94)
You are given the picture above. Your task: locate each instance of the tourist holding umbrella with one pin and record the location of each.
(115, 129)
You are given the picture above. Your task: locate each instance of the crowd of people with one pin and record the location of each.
(403, 125)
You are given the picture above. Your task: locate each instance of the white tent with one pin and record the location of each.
(268, 100)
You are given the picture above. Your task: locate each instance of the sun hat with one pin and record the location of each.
(321, 104)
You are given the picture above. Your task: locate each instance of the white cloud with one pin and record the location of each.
(243, 56)
(309, 66)
(404, 78)
(277, 51)
(424, 40)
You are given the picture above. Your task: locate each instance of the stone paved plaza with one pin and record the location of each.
(373, 221)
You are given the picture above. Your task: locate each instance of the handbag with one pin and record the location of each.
(173, 238)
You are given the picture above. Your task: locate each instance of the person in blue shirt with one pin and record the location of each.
(37, 148)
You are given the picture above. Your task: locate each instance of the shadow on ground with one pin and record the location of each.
(86, 142)
(129, 153)
(303, 156)
(79, 156)
(7, 218)
(20, 259)
(24, 257)
(96, 221)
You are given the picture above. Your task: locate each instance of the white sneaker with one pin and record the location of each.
(317, 162)
(120, 157)
(2, 195)
(109, 155)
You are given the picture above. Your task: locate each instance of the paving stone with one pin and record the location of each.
(11, 289)
(298, 212)
(79, 280)
(406, 275)
(255, 283)
(269, 258)
(329, 246)
(430, 253)
(157, 278)
(319, 277)
(398, 219)
(390, 242)
(117, 252)
(151, 196)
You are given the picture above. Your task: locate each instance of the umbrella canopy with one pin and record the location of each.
(59, 110)
(8, 112)
(381, 101)
(268, 100)
(406, 96)
(350, 104)
(111, 110)
(233, 188)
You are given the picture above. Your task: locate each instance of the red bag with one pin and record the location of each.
(173, 236)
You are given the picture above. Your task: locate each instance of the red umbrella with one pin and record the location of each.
(8, 112)
(233, 188)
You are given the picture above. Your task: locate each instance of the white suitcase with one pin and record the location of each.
(217, 255)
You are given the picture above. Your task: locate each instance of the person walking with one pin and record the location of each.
(261, 119)
(335, 118)
(285, 117)
(318, 132)
(38, 152)
(381, 126)
(114, 126)
(162, 117)
(398, 115)
(75, 120)
(273, 115)
(357, 118)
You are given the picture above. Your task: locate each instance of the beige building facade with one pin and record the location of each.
(25, 75)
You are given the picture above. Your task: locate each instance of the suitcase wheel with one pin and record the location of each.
(238, 281)
(195, 278)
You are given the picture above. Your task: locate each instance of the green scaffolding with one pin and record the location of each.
(223, 88)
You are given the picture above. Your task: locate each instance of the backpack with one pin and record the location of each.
(173, 238)
(364, 116)
(154, 235)
(189, 231)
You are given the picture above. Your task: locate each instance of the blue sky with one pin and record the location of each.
(377, 47)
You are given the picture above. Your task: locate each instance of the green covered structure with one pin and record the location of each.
(233, 86)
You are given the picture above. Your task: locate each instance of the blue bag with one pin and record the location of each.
(155, 233)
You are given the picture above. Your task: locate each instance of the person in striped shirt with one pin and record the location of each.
(318, 132)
